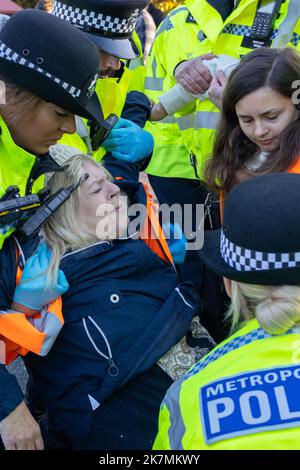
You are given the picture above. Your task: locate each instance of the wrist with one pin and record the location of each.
(24, 309)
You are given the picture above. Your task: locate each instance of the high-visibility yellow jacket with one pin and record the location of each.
(243, 395)
(15, 168)
(112, 96)
(137, 67)
(189, 31)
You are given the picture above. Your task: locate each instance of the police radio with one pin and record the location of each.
(14, 208)
(100, 133)
(266, 15)
(29, 213)
(51, 204)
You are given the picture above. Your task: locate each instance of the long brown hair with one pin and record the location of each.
(277, 69)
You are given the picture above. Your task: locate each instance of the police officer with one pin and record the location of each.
(110, 25)
(184, 141)
(244, 394)
(49, 74)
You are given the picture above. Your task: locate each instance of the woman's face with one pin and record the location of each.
(102, 211)
(43, 129)
(263, 115)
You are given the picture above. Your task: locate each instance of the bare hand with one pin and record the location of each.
(193, 75)
(217, 87)
(158, 112)
(20, 431)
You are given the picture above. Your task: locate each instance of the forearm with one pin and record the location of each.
(137, 108)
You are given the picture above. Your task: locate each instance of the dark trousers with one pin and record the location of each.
(186, 191)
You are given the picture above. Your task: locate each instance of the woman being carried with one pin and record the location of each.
(123, 311)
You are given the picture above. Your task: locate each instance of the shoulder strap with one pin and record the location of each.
(152, 232)
(37, 333)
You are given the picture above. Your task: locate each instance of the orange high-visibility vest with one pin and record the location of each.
(21, 334)
(151, 231)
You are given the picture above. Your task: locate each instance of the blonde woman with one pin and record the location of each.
(48, 72)
(123, 311)
(245, 393)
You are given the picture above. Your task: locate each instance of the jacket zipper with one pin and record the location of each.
(183, 298)
(113, 370)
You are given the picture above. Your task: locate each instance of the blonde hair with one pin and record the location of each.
(62, 231)
(276, 308)
(20, 105)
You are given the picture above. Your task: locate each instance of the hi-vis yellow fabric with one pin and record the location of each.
(15, 167)
(189, 31)
(243, 395)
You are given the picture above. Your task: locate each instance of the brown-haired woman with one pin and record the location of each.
(259, 127)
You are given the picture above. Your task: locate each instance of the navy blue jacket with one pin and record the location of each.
(124, 309)
(137, 109)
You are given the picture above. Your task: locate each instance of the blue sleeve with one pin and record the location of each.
(7, 273)
(10, 393)
(136, 109)
(121, 169)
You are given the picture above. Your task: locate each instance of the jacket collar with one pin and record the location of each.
(18, 157)
(21, 162)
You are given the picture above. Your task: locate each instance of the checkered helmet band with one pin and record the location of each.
(92, 21)
(8, 54)
(243, 259)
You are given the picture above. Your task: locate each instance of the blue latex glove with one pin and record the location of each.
(129, 142)
(31, 292)
(176, 242)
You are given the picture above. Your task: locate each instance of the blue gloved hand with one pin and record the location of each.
(31, 292)
(129, 142)
(176, 241)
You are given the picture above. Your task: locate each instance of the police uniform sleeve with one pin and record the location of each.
(137, 108)
(120, 169)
